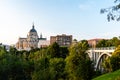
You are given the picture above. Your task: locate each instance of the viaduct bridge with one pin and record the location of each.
(98, 55)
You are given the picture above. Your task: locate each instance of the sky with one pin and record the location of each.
(80, 18)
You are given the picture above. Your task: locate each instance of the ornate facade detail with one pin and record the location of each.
(30, 42)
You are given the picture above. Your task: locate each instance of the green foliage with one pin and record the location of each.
(115, 59)
(78, 64)
(85, 44)
(12, 68)
(2, 51)
(37, 54)
(13, 51)
(34, 50)
(118, 78)
(14, 65)
(54, 50)
(107, 66)
(41, 71)
(63, 52)
(52, 63)
(47, 68)
(75, 40)
(57, 66)
(113, 63)
(108, 43)
(115, 41)
(102, 43)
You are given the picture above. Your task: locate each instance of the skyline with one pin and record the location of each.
(79, 18)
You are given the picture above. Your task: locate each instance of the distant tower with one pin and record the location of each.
(33, 26)
(41, 35)
(32, 37)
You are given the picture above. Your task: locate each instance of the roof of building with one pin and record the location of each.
(33, 29)
(96, 39)
(22, 38)
(42, 38)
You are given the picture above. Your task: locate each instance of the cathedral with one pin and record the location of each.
(31, 41)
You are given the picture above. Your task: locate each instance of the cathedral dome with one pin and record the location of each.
(33, 29)
(32, 34)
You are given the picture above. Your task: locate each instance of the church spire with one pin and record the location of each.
(33, 26)
(41, 35)
(33, 29)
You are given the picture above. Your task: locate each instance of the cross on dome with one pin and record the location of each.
(33, 26)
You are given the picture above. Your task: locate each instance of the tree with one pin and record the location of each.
(102, 43)
(85, 43)
(113, 63)
(108, 42)
(13, 68)
(113, 12)
(2, 51)
(78, 63)
(54, 50)
(106, 65)
(41, 71)
(56, 67)
(115, 41)
(64, 52)
(115, 59)
(13, 51)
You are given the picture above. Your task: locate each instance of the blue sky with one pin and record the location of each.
(80, 18)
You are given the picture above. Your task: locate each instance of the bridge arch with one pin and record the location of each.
(99, 58)
(89, 54)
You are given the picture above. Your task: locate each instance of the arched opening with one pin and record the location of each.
(100, 60)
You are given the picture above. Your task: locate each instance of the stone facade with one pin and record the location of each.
(43, 43)
(93, 42)
(62, 40)
(30, 42)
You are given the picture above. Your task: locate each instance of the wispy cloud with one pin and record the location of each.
(84, 7)
(87, 5)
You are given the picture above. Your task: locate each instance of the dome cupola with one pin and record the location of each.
(32, 33)
(33, 29)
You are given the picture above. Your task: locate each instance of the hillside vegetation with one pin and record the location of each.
(109, 76)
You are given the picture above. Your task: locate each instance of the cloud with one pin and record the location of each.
(88, 5)
(84, 7)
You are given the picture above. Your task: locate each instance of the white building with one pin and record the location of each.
(43, 43)
(32, 40)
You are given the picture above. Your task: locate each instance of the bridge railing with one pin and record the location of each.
(103, 48)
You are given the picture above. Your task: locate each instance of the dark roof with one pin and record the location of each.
(42, 38)
(33, 29)
(22, 38)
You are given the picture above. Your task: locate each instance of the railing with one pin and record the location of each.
(103, 48)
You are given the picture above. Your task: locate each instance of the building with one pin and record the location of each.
(62, 40)
(43, 42)
(31, 41)
(93, 42)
